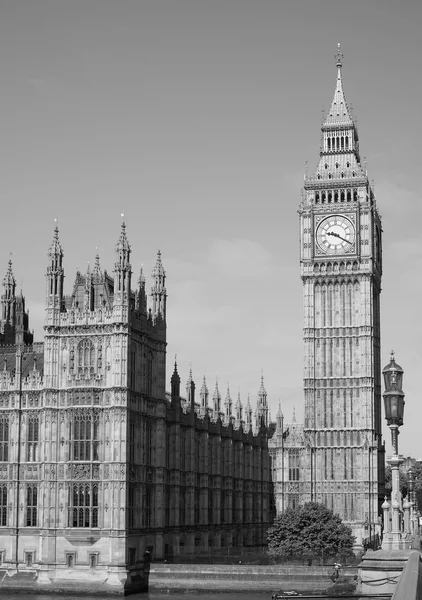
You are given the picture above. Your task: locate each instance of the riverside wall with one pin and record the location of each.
(271, 578)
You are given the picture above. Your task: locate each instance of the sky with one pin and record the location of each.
(196, 119)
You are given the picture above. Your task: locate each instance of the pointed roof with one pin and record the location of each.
(339, 113)
(123, 243)
(190, 380)
(238, 401)
(175, 376)
(55, 247)
(97, 268)
(158, 269)
(204, 388)
(9, 279)
(141, 280)
(216, 390)
(262, 391)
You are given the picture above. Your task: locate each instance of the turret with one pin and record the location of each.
(239, 411)
(55, 274)
(22, 333)
(175, 384)
(262, 406)
(203, 394)
(190, 392)
(280, 417)
(141, 296)
(122, 269)
(8, 298)
(228, 406)
(216, 400)
(248, 411)
(158, 290)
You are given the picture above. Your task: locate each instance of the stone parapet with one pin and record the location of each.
(244, 577)
(409, 586)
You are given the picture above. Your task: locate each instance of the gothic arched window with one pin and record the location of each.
(4, 438)
(86, 357)
(84, 435)
(83, 505)
(3, 505)
(31, 505)
(32, 439)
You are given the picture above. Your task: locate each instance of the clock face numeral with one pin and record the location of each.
(336, 235)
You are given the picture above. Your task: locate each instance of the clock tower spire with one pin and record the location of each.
(340, 258)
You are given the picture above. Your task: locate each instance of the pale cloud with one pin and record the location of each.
(239, 258)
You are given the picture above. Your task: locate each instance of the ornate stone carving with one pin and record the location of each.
(81, 471)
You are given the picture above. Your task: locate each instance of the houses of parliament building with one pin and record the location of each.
(99, 465)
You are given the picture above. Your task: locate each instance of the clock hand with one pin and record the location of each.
(338, 236)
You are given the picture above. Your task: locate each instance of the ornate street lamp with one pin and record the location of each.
(393, 400)
(394, 409)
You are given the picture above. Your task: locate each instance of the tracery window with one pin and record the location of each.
(294, 464)
(86, 357)
(32, 438)
(31, 505)
(84, 435)
(83, 505)
(3, 505)
(4, 438)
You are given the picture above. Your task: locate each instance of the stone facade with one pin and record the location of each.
(100, 468)
(340, 450)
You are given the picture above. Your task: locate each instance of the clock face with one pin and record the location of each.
(336, 235)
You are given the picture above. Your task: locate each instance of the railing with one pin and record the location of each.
(410, 583)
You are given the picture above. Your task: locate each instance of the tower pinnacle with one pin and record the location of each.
(339, 57)
(158, 290)
(55, 271)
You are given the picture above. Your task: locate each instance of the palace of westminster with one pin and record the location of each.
(99, 465)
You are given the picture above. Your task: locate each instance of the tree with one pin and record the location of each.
(310, 531)
(402, 480)
(403, 475)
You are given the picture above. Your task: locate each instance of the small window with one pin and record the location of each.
(29, 556)
(70, 560)
(93, 560)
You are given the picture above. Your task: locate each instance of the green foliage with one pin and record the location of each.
(402, 479)
(417, 470)
(310, 531)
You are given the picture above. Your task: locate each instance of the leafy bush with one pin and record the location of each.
(308, 532)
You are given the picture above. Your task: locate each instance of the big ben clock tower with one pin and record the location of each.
(340, 241)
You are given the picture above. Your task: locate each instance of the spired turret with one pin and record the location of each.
(14, 319)
(141, 296)
(8, 298)
(216, 401)
(158, 290)
(239, 411)
(190, 392)
(203, 394)
(228, 406)
(122, 269)
(55, 274)
(262, 406)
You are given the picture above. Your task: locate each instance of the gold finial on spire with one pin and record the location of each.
(392, 355)
(339, 57)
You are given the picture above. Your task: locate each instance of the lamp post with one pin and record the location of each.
(394, 408)
(411, 494)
